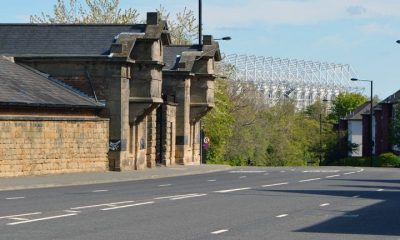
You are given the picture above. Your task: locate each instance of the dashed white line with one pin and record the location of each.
(165, 185)
(243, 177)
(175, 196)
(281, 216)
(21, 215)
(219, 231)
(275, 184)
(100, 190)
(233, 190)
(332, 176)
(72, 211)
(101, 205)
(356, 196)
(13, 198)
(125, 206)
(42, 219)
(192, 196)
(18, 219)
(211, 180)
(324, 204)
(380, 190)
(283, 171)
(309, 180)
(266, 173)
(348, 173)
(247, 171)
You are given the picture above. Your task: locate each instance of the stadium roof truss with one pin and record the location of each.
(305, 82)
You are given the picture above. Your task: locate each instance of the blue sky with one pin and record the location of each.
(361, 33)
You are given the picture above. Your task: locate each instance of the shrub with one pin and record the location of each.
(351, 161)
(389, 160)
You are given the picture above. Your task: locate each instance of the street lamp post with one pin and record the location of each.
(371, 112)
(320, 132)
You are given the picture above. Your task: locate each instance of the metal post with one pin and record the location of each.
(372, 127)
(320, 139)
(200, 22)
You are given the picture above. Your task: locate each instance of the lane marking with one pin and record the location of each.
(43, 219)
(20, 215)
(324, 204)
(13, 198)
(233, 190)
(219, 231)
(309, 180)
(125, 206)
(281, 216)
(292, 169)
(332, 176)
(175, 196)
(247, 171)
(18, 219)
(275, 184)
(348, 173)
(101, 205)
(321, 171)
(165, 185)
(242, 176)
(211, 180)
(198, 195)
(380, 190)
(72, 211)
(283, 171)
(356, 196)
(266, 173)
(100, 190)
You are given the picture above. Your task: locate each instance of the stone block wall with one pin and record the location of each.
(36, 146)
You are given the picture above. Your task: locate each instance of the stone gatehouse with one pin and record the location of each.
(153, 93)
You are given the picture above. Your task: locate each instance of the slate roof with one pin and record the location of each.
(61, 39)
(394, 98)
(171, 53)
(356, 114)
(20, 86)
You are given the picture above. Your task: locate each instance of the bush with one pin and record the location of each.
(389, 160)
(352, 161)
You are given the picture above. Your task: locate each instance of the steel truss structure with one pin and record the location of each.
(305, 82)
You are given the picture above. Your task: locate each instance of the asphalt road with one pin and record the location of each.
(247, 203)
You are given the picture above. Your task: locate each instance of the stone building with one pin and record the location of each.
(47, 127)
(124, 68)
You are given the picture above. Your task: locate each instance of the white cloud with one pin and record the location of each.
(376, 28)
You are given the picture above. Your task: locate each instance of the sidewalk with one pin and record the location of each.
(71, 179)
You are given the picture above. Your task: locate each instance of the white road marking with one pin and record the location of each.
(20, 215)
(380, 190)
(72, 211)
(125, 206)
(266, 173)
(292, 169)
(324, 204)
(332, 176)
(165, 185)
(248, 171)
(42, 219)
(13, 198)
(101, 205)
(348, 173)
(242, 176)
(192, 196)
(283, 171)
(232, 190)
(175, 196)
(100, 190)
(356, 196)
(321, 171)
(281, 216)
(211, 180)
(275, 184)
(219, 231)
(309, 180)
(18, 219)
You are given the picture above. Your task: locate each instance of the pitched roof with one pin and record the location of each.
(174, 52)
(61, 39)
(394, 98)
(20, 86)
(357, 113)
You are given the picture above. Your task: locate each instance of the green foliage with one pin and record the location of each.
(346, 103)
(395, 128)
(389, 160)
(351, 161)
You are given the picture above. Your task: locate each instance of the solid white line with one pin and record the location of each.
(332, 176)
(324, 204)
(101, 205)
(211, 180)
(42, 219)
(275, 184)
(219, 231)
(125, 206)
(18, 219)
(165, 185)
(175, 196)
(20, 215)
(348, 173)
(242, 177)
(281, 216)
(13, 198)
(199, 195)
(379, 190)
(232, 190)
(100, 190)
(309, 180)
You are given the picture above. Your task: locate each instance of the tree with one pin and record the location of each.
(95, 11)
(346, 103)
(396, 125)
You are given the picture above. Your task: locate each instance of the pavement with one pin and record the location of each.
(85, 178)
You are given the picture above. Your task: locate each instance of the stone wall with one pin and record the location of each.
(40, 145)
